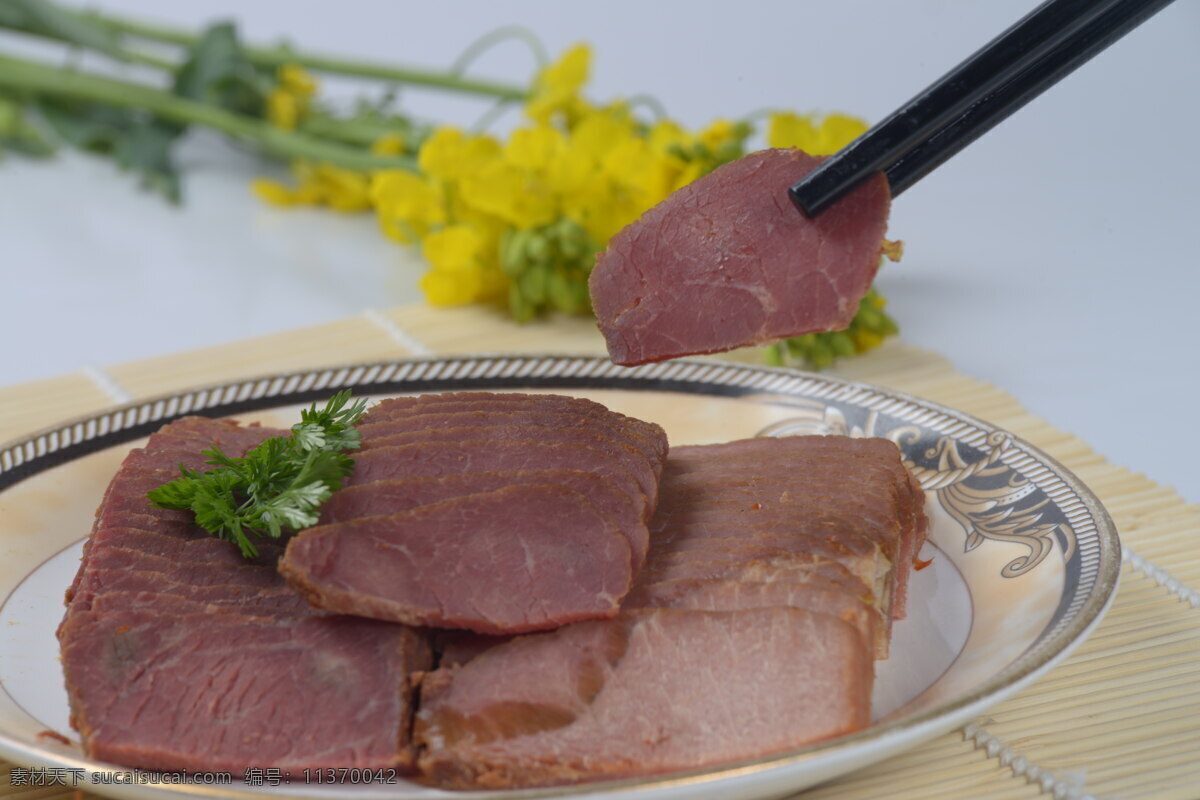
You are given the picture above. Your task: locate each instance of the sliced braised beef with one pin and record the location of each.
(648, 692)
(856, 484)
(634, 462)
(388, 497)
(441, 459)
(751, 630)
(160, 690)
(728, 261)
(513, 410)
(181, 655)
(521, 558)
(495, 513)
(730, 595)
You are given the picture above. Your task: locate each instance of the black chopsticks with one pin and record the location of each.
(1021, 63)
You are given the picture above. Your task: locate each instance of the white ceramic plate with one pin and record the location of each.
(1024, 558)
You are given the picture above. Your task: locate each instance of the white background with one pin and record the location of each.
(1056, 257)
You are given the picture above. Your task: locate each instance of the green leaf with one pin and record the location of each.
(217, 72)
(178, 494)
(278, 485)
(136, 141)
(48, 19)
(146, 150)
(17, 133)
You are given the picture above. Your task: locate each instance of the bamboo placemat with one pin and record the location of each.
(1119, 719)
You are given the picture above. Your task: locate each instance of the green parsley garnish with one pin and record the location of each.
(279, 485)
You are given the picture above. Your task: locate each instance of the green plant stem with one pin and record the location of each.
(361, 133)
(121, 53)
(30, 76)
(272, 57)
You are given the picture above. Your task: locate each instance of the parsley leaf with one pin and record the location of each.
(278, 486)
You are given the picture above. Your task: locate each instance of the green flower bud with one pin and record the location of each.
(820, 355)
(841, 344)
(539, 249)
(562, 297)
(512, 252)
(518, 306)
(868, 317)
(533, 284)
(728, 150)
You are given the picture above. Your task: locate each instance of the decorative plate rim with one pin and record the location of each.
(55, 444)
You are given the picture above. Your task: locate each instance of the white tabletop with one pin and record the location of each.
(1055, 258)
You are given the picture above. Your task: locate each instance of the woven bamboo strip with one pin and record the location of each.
(460, 331)
(39, 404)
(967, 773)
(1159, 781)
(28, 792)
(947, 756)
(1127, 693)
(347, 340)
(1081, 672)
(1110, 692)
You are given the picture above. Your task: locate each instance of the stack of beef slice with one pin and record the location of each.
(774, 571)
(512, 590)
(181, 655)
(495, 513)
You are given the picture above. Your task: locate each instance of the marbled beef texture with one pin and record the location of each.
(521, 558)
(218, 690)
(859, 486)
(647, 692)
(388, 497)
(495, 513)
(751, 629)
(541, 404)
(181, 655)
(728, 261)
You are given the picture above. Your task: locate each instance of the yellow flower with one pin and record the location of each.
(461, 267)
(535, 148)
(283, 109)
(273, 192)
(318, 185)
(667, 134)
(837, 131)
(297, 80)
(517, 196)
(832, 134)
(556, 88)
(449, 289)
(344, 189)
(786, 129)
(717, 133)
(390, 144)
(455, 248)
(593, 137)
(647, 175)
(288, 102)
(407, 204)
(450, 154)
(867, 340)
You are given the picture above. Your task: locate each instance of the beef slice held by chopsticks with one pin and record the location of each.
(728, 261)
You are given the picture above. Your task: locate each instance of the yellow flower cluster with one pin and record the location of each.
(289, 101)
(518, 221)
(318, 185)
(526, 215)
(822, 138)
